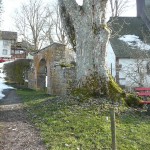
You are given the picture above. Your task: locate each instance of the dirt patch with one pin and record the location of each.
(17, 132)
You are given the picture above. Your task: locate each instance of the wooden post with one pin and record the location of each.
(113, 128)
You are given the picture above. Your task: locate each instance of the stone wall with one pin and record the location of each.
(51, 62)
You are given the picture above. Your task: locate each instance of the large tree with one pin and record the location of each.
(87, 31)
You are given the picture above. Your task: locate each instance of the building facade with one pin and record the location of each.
(20, 50)
(7, 39)
(128, 53)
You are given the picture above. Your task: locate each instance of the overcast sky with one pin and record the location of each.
(9, 7)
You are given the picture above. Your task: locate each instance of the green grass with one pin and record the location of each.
(69, 125)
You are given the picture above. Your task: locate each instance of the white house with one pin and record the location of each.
(128, 52)
(7, 38)
(111, 60)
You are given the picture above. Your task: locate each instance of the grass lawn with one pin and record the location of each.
(69, 125)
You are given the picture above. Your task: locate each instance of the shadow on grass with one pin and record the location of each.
(43, 103)
(12, 115)
(135, 117)
(10, 97)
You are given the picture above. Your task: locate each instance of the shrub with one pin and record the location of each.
(16, 71)
(132, 100)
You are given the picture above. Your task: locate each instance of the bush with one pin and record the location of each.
(16, 71)
(133, 101)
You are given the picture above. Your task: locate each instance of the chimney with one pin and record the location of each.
(140, 6)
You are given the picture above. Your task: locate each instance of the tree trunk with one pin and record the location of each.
(87, 31)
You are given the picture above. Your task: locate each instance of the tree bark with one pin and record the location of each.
(88, 34)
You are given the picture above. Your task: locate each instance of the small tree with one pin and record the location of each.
(137, 71)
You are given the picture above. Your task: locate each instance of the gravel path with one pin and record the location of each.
(18, 133)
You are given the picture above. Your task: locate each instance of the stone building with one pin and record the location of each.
(50, 71)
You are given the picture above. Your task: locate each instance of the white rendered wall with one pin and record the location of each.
(8, 48)
(111, 60)
(127, 68)
(129, 75)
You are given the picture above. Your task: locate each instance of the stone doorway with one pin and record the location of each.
(42, 75)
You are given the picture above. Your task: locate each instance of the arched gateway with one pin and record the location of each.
(49, 72)
(42, 75)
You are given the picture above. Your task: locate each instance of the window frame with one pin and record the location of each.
(5, 52)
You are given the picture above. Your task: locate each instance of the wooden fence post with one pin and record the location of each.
(113, 128)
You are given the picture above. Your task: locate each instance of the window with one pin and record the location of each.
(12, 51)
(148, 67)
(21, 52)
(17, 51)
(120, 66)
(6, 43)
(5, 51)
(12, 41)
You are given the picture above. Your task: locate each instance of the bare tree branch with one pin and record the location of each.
(117, 7)
(30, 21)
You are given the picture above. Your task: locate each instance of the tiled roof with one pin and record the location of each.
(7, 35)
(128, 26)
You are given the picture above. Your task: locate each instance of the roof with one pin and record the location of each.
(24, 45)
(128, 26)
(8, 35)
(54, 44)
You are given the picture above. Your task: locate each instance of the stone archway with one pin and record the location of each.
(42, 75)
(50, 62)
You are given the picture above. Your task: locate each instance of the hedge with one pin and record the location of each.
(17, 71)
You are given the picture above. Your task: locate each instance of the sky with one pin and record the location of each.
(9, 7)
